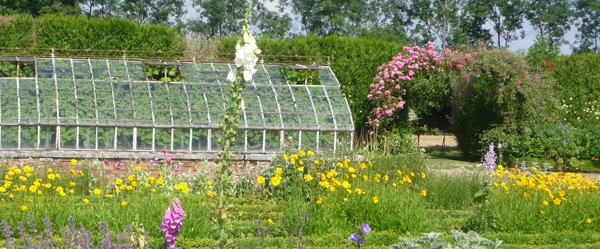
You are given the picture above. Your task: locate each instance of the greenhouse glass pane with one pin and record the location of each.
(326, 140)
(260, 77)
(273, 141)
(163, 139)
(143, 109)
(162, 116)
(214, 140)
(290, 120)
(275, 75)
(181, 118)
(10, 136)
(344, 140)
(200, 119)
(106, 138)
(125, 138)
(9, 103)
(181, 139)
(87, 137)
(81, 69)
(207, 73)
(254, 119)
(100, 70)
(328, 78)
(63, 69)
(309, 140)
(144, 139)
(200, 140)
(44, 68)
(291, 137)
(222, 69)
(326, 122)
(188, 72)
(136, 70)
(255, 140)
(47, 137)
(87, 116)
(118, 71)
(29, 136)
(68, 137)
(240, 141)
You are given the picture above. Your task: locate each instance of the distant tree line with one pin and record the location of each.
(449, 22)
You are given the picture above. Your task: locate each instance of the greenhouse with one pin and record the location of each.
(86, 106)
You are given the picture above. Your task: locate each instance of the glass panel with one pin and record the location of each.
(344, 140)
(106, 138)
(47, 137)
(214, 140)
(136, 71)
(44, 68)
(100, 70)
(309, 140)
(9, 105)
(118, 70)
(240, 141)
(82, 69)
(272, 141)
(291, 138)
(326, 140)
(10, 135)
(68, 137)
(63, 69)
(163, 139)
(144, 139)
(255, 140)
(181, 139)
(87, 137)
(27, 91)
(29, 136)
(47, 91)
(328, 78)
(125, 138)
(143, 110)
(188, 72)
(207, 74)
(200, 140)
(275, 75)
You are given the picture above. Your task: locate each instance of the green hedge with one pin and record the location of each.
(353, 60)
(79, 32)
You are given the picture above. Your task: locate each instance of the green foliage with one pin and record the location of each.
(542, 50)
(498, 90)
(58, 31)
(302, 76)
(397, 141)
(433, 240)
(353, 60)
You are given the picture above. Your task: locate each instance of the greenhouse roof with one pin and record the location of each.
(84, 92)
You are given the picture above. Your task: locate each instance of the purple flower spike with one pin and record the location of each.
(361, 241)
(106, 162)
(172, 223)
(365, 228)
(118, 165)
(137, 160)
(302, 247)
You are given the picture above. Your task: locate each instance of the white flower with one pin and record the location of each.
(231, 75)
(246, 55)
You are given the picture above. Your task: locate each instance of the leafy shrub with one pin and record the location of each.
(397, 141)
(498, 90)
(353, 60)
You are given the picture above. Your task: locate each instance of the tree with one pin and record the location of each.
(38, 7)
(436, 19)
(587, 13)
(474, 20)
(506, 18)
(551, 18)
(219, 17)
(326, 17)
(272, 23)
(153, 11)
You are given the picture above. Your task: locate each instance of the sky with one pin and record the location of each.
(520, 45)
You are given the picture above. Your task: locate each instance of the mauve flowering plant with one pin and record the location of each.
(389, 85)
(358, 238)
(172, 223)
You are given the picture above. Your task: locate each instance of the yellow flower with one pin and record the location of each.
(316, 161)
(23, 208)
(301, 169)
(151, 179)
(308, 178)
(81, 173)
(546, 203)
(376, 199)
(293, 161)
(137, 168)
(131, 178)
(97, 191)
(211, 194)
(588, 220)
(310, 153)
(153, 190)
(526, 194)
(271, 222)
(22, 178)
(285, 157)
(86, 201)
(412, 173)
(124, 203)
(346, 184)
(50, 170)
(2, 190)
(424, 193)
(345, 199)
(51, 176)
(541, 211)
(72, 172)
(320, 200)
(209, 183)
(275, 180)
(129, 188)
(278, 171)
(73, 161)
(423, 175)
(556, 201)
(260, 179)
(109, 196)
(72, 184)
